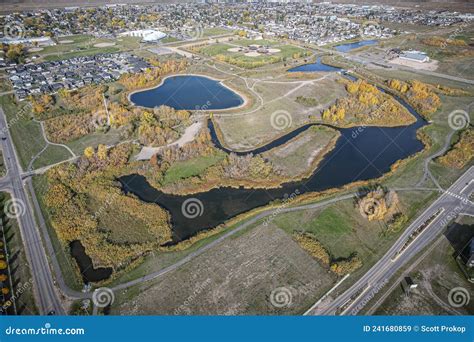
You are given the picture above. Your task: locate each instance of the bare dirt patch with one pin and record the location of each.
(35, 49)
(101, 45)
(436, 276)
(237, 277)
(430, 66)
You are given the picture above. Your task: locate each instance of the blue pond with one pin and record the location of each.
(351, 46)
(361, 153)
(318, 66)
(188, 92)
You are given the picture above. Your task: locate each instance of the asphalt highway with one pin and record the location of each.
(47, 298)
(451, 203)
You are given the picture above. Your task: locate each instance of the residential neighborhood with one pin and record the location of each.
(49, 77)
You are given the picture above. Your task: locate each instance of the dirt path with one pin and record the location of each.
(189, 134)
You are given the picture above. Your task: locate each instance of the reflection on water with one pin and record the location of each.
(361, 153)
(352, 46)
(188, 92)
(88, 272)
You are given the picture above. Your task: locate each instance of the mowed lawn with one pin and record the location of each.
(286, 51)
(85, 45)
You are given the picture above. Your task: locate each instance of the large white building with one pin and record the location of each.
(148, 35)
(415, 56)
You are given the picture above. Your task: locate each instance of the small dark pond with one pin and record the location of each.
(88, 272)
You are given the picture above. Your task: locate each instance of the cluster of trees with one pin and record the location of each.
(397, 222)
(155, 127)
(421, 96)
(443, 42)
(152, 76)
(86, 99)
(247, 64)
(461, 153)
(367, 105)
(15, 52)
(310, 244)
(3, 273)
(347, 265)
(378, 204)
(227, 170)
(200, 146)
(41, 103)
(66, 128)
(247, 166)
(73, 187)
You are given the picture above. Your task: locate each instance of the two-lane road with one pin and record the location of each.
(47, 297)
(451, 203)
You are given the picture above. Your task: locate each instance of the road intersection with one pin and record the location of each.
(453, 202)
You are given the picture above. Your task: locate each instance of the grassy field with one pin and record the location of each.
(27, 136)
(343, 231)
(264, 259)
(189, 168)
(299, 155)
(243, 132)
(436, 275)
(50, 155)
(26, 133)
(85, 45)
(287, 51)
(112, 137)
(214, 31)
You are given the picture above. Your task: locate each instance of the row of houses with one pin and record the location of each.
(73, 73)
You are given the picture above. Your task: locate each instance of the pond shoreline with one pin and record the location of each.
(243, 97)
